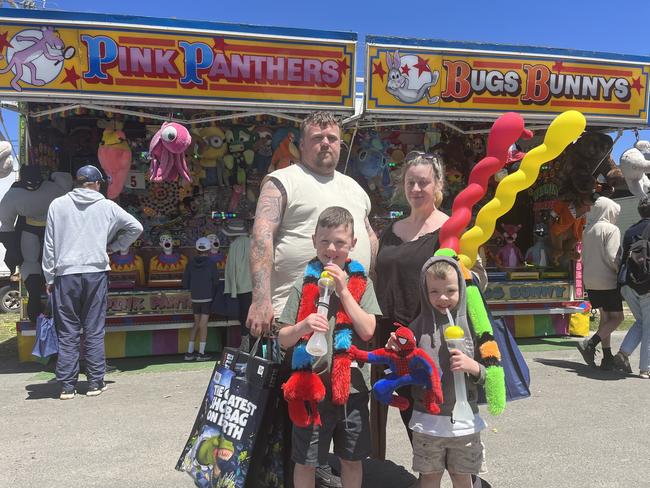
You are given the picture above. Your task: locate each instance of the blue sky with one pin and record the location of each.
(573, 24)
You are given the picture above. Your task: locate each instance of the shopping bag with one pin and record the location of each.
(228, 441)
(47, 343)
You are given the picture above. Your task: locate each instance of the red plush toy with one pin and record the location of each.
(409, 366)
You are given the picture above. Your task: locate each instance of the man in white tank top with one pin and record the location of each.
(287, 210)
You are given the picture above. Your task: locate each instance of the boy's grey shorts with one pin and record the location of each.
(311, 445)
(459, 455)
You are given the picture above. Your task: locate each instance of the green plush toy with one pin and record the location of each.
(490, 357)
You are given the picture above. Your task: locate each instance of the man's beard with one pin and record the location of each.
(326, 161)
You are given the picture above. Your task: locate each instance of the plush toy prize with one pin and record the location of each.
(167, 151)
(114, 155)
(304, 385)
(409, 366)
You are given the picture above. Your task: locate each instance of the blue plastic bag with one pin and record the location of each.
(47, 343)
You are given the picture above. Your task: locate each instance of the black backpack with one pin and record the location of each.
(637, 263)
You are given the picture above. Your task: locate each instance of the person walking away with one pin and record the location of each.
(601, 259)
(638, 299)
(81, 225)
(201, 278)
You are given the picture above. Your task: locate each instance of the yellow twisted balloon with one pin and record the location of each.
(564, 129)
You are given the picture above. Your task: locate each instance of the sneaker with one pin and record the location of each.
(622, 363)
(203, 357)
(96, 390)
(67, 393)
(588, 352)
(607, 363)
(189, 356)
(645, 375)
(325, 478)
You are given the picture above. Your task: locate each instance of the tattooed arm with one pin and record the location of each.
(268, 215)
(374, 246)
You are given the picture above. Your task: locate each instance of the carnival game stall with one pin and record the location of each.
(444, 97)
(186, 118)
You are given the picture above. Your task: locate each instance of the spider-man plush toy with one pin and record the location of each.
(409, 366)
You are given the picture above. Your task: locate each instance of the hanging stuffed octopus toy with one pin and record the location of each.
(167, 151)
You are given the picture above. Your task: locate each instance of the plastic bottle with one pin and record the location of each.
(455, 337)
(317, 344)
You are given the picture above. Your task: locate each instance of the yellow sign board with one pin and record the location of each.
(428, 80)
(46, 59)
(533, 291)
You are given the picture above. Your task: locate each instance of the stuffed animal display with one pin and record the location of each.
(6, 159)
(581, 163)
(167, 151)
(635, 163)
(212, 149)
(409, 366)
(509, 255)
(29, 198)
(566, 230)
(538, 253)
(286, 153)
(114, 155)
(240, 154)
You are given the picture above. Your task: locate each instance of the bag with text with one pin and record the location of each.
(228, 441)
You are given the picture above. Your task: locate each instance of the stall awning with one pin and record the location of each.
(440, 80)
(71, 57)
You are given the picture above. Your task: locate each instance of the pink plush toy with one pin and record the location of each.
(510, 255)
(114, 155)
(167, 150)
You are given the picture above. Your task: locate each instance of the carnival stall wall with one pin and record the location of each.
(533, 258)
(186, 117)
(148, 311)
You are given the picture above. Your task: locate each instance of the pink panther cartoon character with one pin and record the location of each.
(40, 55)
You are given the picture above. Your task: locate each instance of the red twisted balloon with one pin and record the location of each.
(505, 131)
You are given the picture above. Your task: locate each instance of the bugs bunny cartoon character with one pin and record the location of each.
(404, 82)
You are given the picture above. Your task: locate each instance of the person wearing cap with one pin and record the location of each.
(81, 226)
(201, 278)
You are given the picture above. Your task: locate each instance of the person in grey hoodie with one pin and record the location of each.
(601, 259)
(440, 442)
(81, 225)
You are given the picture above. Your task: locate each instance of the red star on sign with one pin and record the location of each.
(3, 41)
(219, 44)
(71, 77)
(422, 66)
(405, 69)
(378, 69)
(343, 66)
(636, 84)
(558, 66)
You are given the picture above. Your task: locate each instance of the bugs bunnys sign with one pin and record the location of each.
(472, 81)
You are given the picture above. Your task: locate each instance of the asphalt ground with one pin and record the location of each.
(581, 428)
